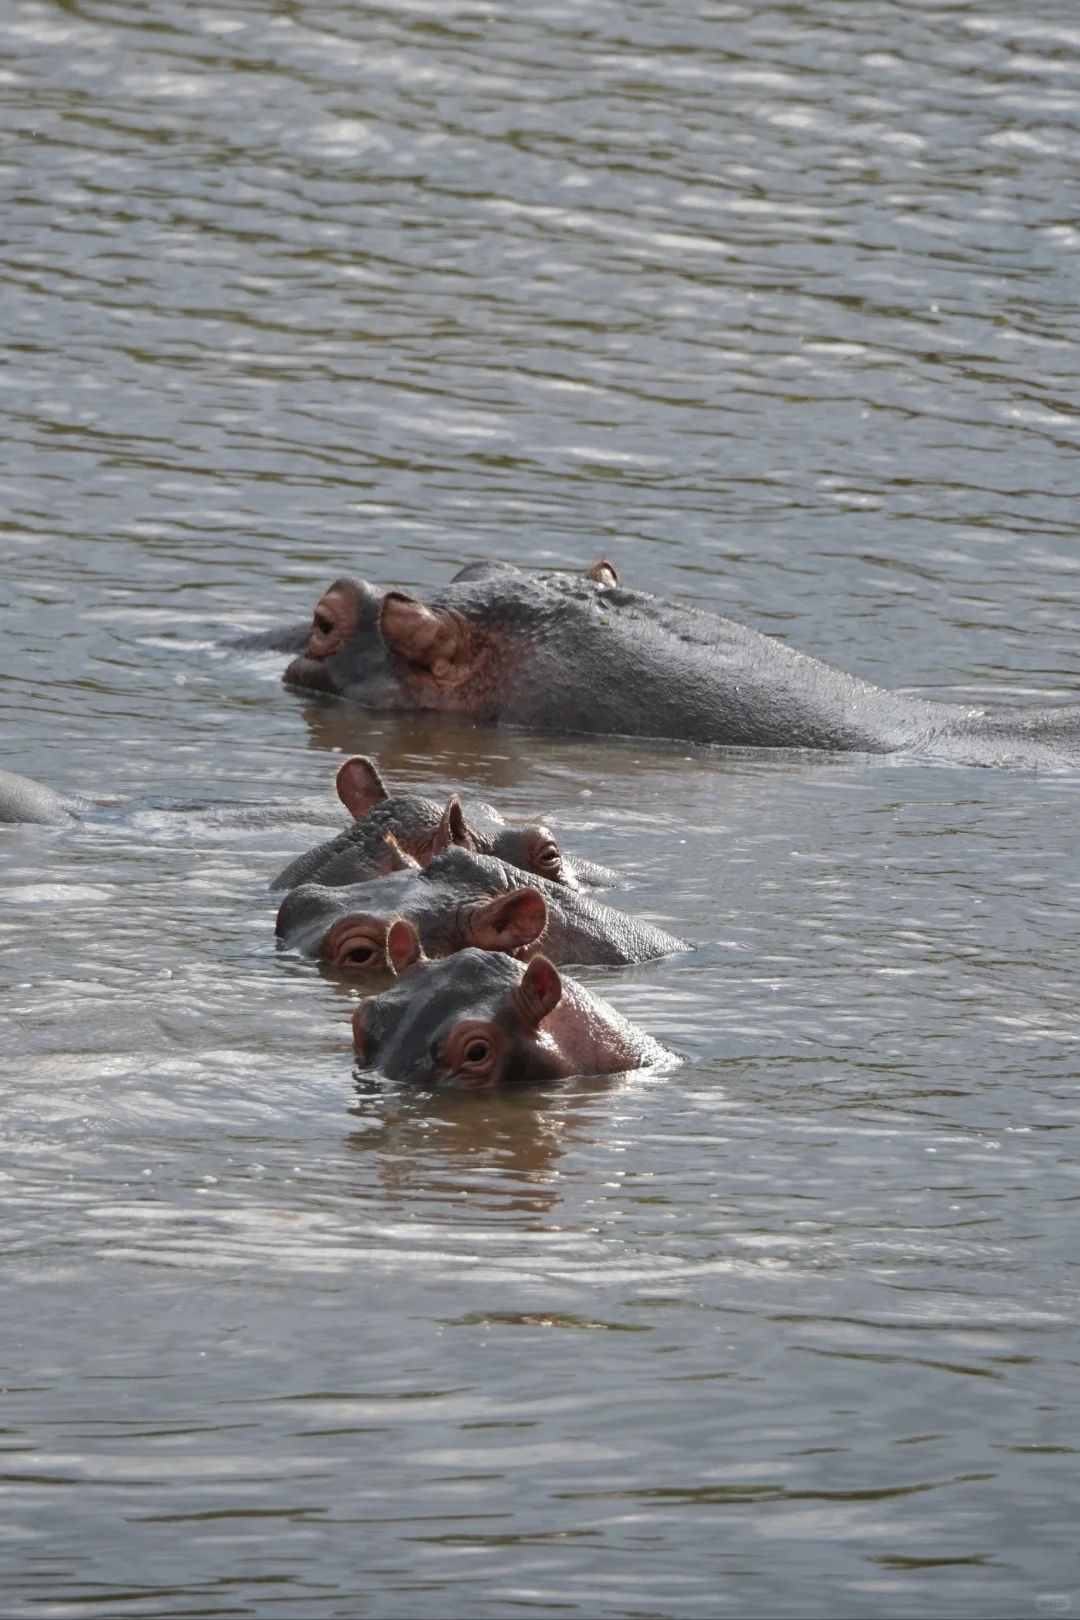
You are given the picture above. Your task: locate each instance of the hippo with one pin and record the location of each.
(463, 899)
(580, 653)
(24, 800)
(420, 828)
(480, 1017)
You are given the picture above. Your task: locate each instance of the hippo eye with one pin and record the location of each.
(323, 623)
(548, 855)
(476, 1051)
(360, 954)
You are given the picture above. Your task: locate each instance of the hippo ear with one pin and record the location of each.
(602, 571)
(432, 641)
(452, 828)
(403, 946)
(539, 992)
(508, 921)
(398, 859)
(359, 786)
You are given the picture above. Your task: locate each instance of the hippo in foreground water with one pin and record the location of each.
(578, 653)
(463, 899)
(479, 1018)
(420, 828)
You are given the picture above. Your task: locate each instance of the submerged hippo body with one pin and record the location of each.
(581, 654)
(462, 899)
(480, 1018)
(387, 826)
(24, 800)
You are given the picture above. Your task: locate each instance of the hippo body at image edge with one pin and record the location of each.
(462, 899)
(24, 801)
(579, 653)
(480, 1018)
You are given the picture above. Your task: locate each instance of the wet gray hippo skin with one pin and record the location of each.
(24, 800)
(579, 653)
(388, 826)
(479, 1018)
(462, 899)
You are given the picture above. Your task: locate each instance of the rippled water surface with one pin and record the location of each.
(776, 307)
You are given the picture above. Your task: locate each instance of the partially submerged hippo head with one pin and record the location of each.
(463, 899)
(394, 830)
(344, 645)
(479, 1018)
(462, 653)
(359, 941)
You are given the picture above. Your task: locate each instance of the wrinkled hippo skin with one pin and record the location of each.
(419, 828)
(479, 1018)
(463, 899)
(579, 653)
(24, 800)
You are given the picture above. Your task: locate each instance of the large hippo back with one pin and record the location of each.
(576, 654)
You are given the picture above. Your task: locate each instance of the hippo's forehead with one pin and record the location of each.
(508, 597)
(484, 570)
(458, 869)
(309, 911)
(408, 1019)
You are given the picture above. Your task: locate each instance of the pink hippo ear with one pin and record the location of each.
(452, 828)
(403, 946)
(398, 859)
(359, 786)
(602, 571)
(437, 642)
(539, 992)
(509, 921)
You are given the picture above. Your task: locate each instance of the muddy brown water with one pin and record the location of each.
(776, 307)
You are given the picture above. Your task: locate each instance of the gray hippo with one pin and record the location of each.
(463, 899)
(24, 800)
(420, 828)
(579, 653)
(479, 1018)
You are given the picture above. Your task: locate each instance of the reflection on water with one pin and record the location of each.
(500, 1151)
(776, 308)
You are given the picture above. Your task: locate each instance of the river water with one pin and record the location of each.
(775, 306)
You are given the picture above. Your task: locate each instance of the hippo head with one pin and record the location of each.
(472, 1020)
(392, 651)
(417, 827)
(394, 831)
(388, 650)
(350, 928)
(345, 649)
(531, 848)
